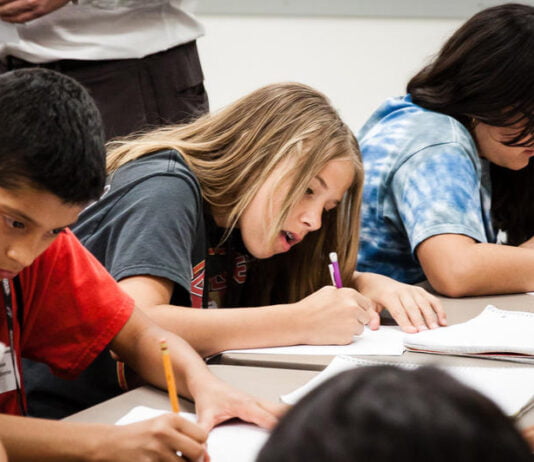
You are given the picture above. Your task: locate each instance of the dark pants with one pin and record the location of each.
(133, 94)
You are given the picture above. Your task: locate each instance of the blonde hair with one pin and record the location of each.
(233, 151)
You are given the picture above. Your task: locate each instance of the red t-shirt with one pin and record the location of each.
(72, 308)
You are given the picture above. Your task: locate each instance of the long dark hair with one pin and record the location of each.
(485, 72)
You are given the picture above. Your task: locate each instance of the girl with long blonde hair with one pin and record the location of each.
(240, 209)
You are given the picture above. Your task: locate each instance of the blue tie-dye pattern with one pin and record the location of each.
(423, 177)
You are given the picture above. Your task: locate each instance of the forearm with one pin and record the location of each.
(210, 331)
(482, 269)
(145, 358)
(28, 439)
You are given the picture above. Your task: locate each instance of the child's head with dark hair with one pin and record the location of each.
(484, 77)
(51, 136)
(485, 71)
(385, 413)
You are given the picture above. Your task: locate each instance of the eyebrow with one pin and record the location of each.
(325, 186)
(323, 183)
(19, 214)
(23, 216)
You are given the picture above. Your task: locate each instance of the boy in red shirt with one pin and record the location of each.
(60, 306)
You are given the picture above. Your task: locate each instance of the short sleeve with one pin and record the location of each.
(437, 191)
(151, 230)
(72, 307)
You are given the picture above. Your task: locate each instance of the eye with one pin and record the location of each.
(12, 223)
(57, 231)
(309, 191)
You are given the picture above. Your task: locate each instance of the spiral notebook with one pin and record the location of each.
(511, 388)
(494, 333)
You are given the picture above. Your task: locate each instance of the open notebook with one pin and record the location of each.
(494, 333)
(511, 388)
(234, 441)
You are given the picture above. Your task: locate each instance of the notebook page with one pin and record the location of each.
(511, 388)
(386, 341)
(493, 330)
(228, 442)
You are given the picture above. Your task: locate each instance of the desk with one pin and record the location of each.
(264, 383)
(457, 309)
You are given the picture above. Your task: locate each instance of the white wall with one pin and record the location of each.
(357, 62)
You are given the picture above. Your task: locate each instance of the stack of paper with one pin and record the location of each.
(511, 388)
(228, 442)
(494, 333)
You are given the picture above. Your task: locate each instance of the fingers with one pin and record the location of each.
(255, 412)
(188, 438)
(266, 415)
(13, 11)
(431, 308)
(20, 11)
(374, 321)
(191, 429)
(399, 313)
(277, 409)
(241, 406)
(169, 437)
(416, 310)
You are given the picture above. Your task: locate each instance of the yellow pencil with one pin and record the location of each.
(169, 375)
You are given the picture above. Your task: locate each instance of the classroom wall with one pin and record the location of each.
(356, 61)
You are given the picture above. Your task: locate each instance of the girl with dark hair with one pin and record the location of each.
(450, 165)
(385, 413)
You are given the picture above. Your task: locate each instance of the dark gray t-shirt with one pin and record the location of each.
(150, 222)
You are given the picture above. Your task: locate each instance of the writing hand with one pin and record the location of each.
(154, 439)
(333, 316)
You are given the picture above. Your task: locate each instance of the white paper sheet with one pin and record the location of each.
(386, 341)
(229, 442)
(512, 388)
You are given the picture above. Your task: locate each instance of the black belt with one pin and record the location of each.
(65, 65)
(12, 63)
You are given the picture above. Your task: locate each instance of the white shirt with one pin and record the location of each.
(105, 29)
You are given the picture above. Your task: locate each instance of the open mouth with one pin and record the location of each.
(290, 237)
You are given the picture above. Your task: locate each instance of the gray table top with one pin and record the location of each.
(269, 376)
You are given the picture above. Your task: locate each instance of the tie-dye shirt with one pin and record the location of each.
(423, 177)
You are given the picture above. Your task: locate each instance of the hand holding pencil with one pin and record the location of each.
(171, 386)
